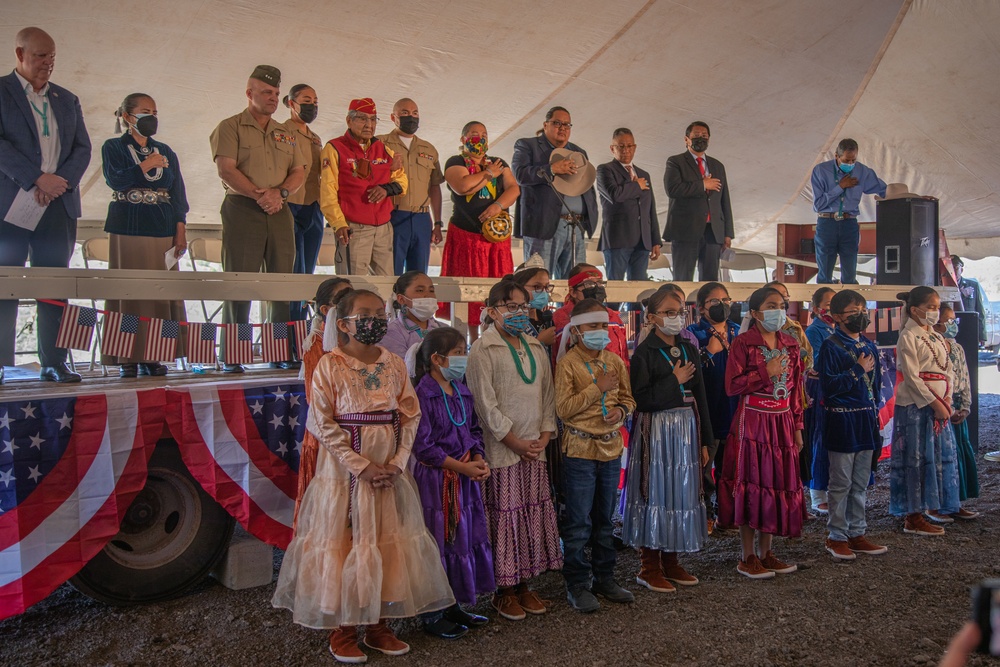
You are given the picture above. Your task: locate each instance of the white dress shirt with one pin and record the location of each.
(40, 106)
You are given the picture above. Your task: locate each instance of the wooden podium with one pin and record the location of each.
(796, 242)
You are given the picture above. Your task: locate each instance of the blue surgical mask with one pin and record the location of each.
(773, 320)
(596, 340)
(539, 300)
(847, 168)
(516, 323)
(455, 368)
(951, 329)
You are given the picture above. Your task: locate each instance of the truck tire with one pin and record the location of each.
(172, 536)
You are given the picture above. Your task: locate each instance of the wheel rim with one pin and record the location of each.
(160, 524)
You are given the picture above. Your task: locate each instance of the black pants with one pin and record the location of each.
(49, 245)
(706, 252)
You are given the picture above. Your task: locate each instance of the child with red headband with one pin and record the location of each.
(587, 282)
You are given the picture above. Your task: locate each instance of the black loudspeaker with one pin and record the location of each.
(906, 236)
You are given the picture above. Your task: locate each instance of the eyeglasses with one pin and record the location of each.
(852, 313)
(716, 302)
(543, 288)
(625, 147)
(362, 318)
(560, 124)
(672, 313)
(514, 307)
(954, 320)
(365, 119)
(592, 283)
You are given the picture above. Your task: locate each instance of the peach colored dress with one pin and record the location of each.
(361, 553)
(310, 445)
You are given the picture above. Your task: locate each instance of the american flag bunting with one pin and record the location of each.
(201, 343)
(239, 344)
(76, 329)
(161, 340)
(118, 334)
(274, 342)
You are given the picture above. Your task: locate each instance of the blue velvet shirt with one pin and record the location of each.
(721, 406)
(817, 332)
(121, 156)
(849, 415)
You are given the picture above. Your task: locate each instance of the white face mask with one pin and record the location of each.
(931, 317)
(672, 325)
(423, 308)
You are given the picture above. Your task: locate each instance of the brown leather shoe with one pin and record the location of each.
(344, 645)
(506, 604)
(751, 567)
(530, 601)
(382, 639)
(673, 571)
(862, 545)
(916, 524)
(651, 572)
(771, 562)
(839, 549)
(965, 515)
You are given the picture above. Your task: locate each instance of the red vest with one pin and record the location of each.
(352, 188)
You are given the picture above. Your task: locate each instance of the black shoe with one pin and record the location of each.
(152, 370)
(232, 368)
(128, 370)
(445, 629)
(459, 616)
(1, 374)
(582, 600)
(612, 592)
(285, 365)
(61, 374)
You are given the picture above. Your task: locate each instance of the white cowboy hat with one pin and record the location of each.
(573, 185)
(898, 191)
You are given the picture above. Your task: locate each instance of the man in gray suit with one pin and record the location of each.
(700, 216)
(44, 150)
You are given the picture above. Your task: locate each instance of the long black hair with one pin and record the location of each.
(441, 340)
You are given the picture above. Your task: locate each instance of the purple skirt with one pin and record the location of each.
(760, 486)
(468, 559)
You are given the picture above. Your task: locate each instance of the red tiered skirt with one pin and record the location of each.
(470, 255)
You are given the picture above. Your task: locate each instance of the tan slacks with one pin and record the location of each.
(370, 250)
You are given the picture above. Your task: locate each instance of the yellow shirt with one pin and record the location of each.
(423, 171)
(578, 403)
(265, 156)
(329, 185)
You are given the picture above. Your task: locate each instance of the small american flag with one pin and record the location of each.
(274, 342)
(239, 344)
(201, 343)
(76, 330)
(161, 340)
(301, 330)
(118, 333)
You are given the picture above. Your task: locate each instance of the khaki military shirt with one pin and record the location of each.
(423, 171)
(264, 156)
(309, 192)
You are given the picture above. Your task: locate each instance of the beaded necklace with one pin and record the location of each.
(447, 407)
(488, 191)
(517, 360)
(947, 362)
(604, 394)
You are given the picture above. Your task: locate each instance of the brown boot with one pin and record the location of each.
(382, 639)
(651, 572)
(530, 601)
(672, 570)
(344, 645)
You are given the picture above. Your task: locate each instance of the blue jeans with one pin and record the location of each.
(837, 237)
(589, 490)
(622, 262)
(557, 252)
(849, 475)
(411, 241)
(309, 226)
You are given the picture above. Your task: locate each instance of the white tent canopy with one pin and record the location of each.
(914, 82)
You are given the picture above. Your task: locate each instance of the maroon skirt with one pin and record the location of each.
(470, 255)
(761, 486)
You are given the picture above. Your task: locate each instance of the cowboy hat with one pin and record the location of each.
(573, 185)
(898, 191)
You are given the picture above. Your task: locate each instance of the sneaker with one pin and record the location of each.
(674, 572)
(752, 567)
(380, 638)
(862, 545)
(507, 606)
(445, 629)
(822, 508)
(459, 616)
(582, 600)
(937, 517)
(810, 516)
(530, 602)
(965, 515)
(992, 456)
(917, 525)
(839, 549)
(612, 592)
(344, 646)
(771, 562)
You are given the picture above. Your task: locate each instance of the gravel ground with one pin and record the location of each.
(896, 609)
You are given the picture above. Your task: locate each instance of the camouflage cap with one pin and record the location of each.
(268, 74)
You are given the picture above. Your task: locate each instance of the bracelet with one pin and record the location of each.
(439, 223)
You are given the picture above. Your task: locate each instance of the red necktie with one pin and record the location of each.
(701, 168)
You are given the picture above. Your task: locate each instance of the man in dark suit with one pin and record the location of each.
(700, 217)
(541, 220)
(44, 150)
(630, 235)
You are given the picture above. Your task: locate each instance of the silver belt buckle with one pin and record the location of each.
(838, 216)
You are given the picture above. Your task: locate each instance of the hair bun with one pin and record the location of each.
(903, 296)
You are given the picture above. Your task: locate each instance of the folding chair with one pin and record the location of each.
(746, 261)
(210, 252)
(96, 250)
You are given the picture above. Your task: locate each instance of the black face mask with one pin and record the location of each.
(308, 112)
(719, 312)
(857, 323)
(370, 330)
(598, 293)
(409, 124)
(699, 144)
(146, 126)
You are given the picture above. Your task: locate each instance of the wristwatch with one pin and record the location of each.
(439, 223)
(284, 193)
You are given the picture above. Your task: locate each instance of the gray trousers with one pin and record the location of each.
(849, 475)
